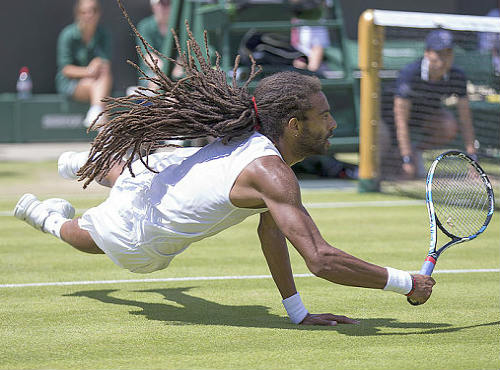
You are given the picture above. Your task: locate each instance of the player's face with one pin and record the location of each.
(318, 127)
(439, 62)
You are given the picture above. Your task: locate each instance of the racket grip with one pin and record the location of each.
(426, 269)
(428, 266)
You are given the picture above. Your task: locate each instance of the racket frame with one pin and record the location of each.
(433, 254)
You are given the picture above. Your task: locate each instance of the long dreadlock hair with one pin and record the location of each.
(198, 105)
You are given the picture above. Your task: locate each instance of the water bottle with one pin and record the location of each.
(24, 84)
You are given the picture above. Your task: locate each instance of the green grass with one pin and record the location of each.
(241, 324)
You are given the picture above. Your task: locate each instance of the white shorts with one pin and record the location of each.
(114, 224)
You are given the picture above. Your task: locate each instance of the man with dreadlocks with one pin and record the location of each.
(162, 203)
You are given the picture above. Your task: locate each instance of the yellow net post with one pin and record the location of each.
(370, 44)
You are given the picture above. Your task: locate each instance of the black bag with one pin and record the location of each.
(268, 48)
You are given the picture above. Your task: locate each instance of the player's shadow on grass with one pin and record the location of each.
(185, 309)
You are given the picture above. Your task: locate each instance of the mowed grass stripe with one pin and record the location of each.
(203, 278)
(384, 203)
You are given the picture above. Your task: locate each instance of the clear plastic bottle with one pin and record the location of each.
(24, 84)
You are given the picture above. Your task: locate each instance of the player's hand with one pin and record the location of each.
(327, 319)
(423, 288)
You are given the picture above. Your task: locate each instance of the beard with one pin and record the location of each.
(310, 144)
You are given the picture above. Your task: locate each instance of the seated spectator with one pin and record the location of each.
(154, 29)
(83, 59)
(310, 40)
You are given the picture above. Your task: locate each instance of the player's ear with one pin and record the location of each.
(294, 125)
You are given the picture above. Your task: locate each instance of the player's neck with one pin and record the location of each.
(287, 151)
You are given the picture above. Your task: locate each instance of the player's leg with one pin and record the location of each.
(55, 216)
(78, 238)
(69, 163)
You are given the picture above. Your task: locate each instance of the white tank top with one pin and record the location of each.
(189, 199)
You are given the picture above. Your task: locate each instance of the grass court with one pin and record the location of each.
(216, 307)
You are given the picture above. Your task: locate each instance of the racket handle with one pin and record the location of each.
(426, 269)
(428, 266)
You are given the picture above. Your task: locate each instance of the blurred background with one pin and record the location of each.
(30, 29)
(268, 29)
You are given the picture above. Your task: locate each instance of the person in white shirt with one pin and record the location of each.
(160, 204)
(310, 40)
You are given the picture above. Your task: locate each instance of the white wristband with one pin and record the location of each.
(295, 308)
(398, 281)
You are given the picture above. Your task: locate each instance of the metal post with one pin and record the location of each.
(370, 44)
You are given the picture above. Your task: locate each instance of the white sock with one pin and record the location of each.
(53, 224)
(92, 114)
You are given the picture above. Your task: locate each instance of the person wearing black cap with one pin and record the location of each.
(418, 110)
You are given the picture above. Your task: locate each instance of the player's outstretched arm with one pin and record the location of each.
(279, 189)
(276, 253)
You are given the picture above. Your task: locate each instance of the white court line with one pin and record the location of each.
(200, 278)
(375, 203)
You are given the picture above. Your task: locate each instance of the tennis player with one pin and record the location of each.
(161, 204)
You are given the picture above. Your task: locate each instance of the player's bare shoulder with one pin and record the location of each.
(264, 177)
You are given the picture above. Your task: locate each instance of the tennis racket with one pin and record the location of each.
(460, 202)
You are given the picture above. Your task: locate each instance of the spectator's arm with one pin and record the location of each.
(64, 56)
(65, 61)
(315, 58)
(320, 39)
(465, 117)
(402, 108)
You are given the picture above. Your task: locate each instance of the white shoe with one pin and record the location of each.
(92, 115)
(34, 212)
(69, 163)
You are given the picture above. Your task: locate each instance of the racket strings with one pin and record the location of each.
(459, 197)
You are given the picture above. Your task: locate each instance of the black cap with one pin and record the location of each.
(439, 40)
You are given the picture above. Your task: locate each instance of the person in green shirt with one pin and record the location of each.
(154, 29)
(83, 59)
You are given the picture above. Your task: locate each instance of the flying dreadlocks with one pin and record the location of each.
(200, 104)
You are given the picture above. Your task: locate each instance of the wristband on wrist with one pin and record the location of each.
(398, 281)
(295, 308)
(406, 159)
(412, 286)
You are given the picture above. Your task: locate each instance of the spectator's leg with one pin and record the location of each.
(92, 90)
(102, 85)
(83, 89)
(151, 84)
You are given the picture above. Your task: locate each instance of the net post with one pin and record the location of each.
(370, 45)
